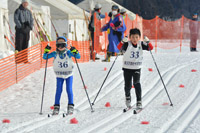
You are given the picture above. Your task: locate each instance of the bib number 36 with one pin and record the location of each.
(63, 64)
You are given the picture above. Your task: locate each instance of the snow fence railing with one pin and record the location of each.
(17, 66)
(173, 32)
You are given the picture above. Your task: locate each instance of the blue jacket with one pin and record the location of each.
(54, 54)
(114, 39)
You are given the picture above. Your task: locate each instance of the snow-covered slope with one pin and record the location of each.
(21, 102)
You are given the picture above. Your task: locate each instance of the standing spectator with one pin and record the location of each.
(24, 23)
(194, 30)
(117, 28)
(123, 13)
(97, 10)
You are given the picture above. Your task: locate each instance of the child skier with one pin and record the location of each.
(132, 63)
(63, 68)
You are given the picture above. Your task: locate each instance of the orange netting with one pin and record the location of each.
(100, 38)
(163, 34)
(16, 67)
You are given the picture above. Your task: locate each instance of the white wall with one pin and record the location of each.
(3, 4)
(46, 18)
(4, 30)
(61, 26)
(5, 46)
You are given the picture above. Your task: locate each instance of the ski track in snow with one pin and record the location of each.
(38, 122)
(113, 119)
(117, 118)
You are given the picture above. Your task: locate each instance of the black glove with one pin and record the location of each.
(110, 14)
(26, 24)
(74, 50)
(47, 49)
(118, 23)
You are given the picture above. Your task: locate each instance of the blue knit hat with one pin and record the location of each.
(62, 37)
(195, 14)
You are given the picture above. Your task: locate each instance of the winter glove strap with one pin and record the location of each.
(74, 50)
(47, 49)
(146, 39)
(125, 39)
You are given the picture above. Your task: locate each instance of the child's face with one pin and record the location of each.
(61, 41)
(134, 39)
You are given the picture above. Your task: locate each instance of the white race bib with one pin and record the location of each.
(63, 68)
(133, 57)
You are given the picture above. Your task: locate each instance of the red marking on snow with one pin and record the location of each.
(145, 122)
(133, 86)
(6, 121)
(165, 104)
(150, 69)
(105, 68)
(181, 86)
(52, 107)
(107, 104)
(73, 121)
(193, 70)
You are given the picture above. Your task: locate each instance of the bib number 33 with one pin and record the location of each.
(135, 54)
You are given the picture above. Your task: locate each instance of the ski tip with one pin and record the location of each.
(134, 112)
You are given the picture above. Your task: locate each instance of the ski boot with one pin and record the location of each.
(70, 109)
(128, 102)
(56, 110)
(139, 105)
(107, 57)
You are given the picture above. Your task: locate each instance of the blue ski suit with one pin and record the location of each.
(69, 80)
(117, 35)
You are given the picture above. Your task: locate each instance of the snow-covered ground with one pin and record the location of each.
(4, 54)
(20, 103)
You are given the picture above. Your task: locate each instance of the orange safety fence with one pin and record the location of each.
(100, 38)
(16, 67)
(163, 34)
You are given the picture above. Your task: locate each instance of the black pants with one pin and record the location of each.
(21, 43)
(129, 76)
(92, 36)
(193, 41)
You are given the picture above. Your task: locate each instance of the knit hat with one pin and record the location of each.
(98, 6)
(61, 37)
(114, 7)
(25, 1)
(195, 14)
(122, 10)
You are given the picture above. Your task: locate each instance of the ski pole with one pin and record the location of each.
(44, 84)
(105, 80)
(84, 85)
(161, 78)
